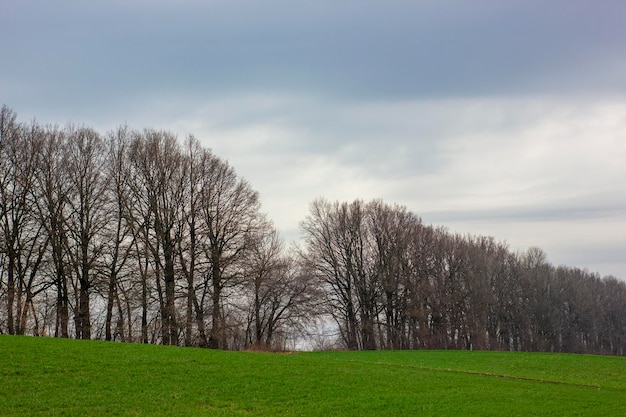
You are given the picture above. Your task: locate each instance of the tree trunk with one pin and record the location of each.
(216, 337)
(63, 316)
(258, 331)
(199, 309)
(144, 309)
(189, 314)
(10, 295)
(83, 311)
(170, 306)
(111, 295)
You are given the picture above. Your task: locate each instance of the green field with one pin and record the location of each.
(42, 376)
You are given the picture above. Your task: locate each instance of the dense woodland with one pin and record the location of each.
(135, 236)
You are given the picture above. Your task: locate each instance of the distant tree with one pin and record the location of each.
(507, 319)
(611, 322)
(280, 291)
(337, 253)
(397, 267)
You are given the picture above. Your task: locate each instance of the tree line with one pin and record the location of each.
(392, 282)
(136, 236)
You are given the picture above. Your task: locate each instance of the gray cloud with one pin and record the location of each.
(369, 49)
(491, 117)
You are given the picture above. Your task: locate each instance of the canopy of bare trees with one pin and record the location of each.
(391, 282)
(136, 236)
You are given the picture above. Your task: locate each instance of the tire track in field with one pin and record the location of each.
(477, 373)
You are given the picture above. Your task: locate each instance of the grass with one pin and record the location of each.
(54, 377)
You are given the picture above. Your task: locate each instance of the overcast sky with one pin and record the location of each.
(490, 117)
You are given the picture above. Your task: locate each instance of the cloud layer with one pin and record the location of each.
(500, 118)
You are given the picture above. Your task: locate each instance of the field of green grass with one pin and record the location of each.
(54, 377)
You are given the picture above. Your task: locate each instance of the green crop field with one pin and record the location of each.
(47, 377)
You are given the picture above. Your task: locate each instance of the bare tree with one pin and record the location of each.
(336, 254)
(190, 231)
(281, 293)
(52, 204)
(119, 236)
(160, 175)
(12, 205)
(23, 241)
(230, 213)
(87, 216)
(506, 317)
(398, 261)
(611, 321)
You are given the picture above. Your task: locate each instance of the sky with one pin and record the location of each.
(497, 118)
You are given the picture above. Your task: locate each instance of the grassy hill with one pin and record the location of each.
(40, 376)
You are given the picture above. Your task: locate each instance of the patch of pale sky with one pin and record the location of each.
(522, 170)
(560, 155)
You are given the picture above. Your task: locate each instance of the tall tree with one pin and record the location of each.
(230, 212)
(87, 215)
(335, 255)
(160, 175)
(119, 236)
(397, 255)
(23, 242)
(190, 232)
(53, 189)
